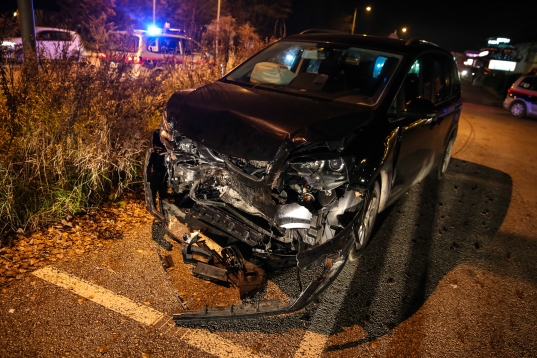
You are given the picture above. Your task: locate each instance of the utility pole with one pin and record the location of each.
(27, 24)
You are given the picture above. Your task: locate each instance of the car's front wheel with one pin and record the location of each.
(367, 221)
(518, 109)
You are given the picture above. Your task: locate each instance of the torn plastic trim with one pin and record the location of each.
(332, 267)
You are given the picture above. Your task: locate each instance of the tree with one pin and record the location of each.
(235, 43)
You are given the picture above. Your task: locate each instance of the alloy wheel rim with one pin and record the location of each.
(367, 223)
(517, 109)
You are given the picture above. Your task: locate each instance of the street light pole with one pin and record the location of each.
(154, 6)
(354, 20)
(368, 8)
(217, 30)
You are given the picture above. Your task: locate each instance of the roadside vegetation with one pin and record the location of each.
(73, 133)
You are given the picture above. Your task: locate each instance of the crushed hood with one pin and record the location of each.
(253, 123)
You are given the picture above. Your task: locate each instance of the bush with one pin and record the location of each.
(74, 133)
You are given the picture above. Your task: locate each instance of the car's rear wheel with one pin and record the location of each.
(442, 167)
(518, 109)
(367, 221)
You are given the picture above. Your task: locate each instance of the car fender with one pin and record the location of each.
(377, 164)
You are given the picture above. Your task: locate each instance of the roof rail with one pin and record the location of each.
(319, 31)
(417, 40)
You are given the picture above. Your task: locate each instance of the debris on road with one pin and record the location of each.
(227, 267)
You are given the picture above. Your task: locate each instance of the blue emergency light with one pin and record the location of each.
(153, 30)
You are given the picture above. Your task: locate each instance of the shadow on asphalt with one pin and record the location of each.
(433, 228)
(427, 233)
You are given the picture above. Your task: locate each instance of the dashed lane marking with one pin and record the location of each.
(324, 318)
(312, 345)
(199, 338)
(100, 295)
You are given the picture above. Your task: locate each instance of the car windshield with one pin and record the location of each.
(331, 71)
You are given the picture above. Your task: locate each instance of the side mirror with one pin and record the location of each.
(419, 108)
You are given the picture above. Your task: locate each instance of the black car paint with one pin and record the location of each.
(252, 123)
(263, 124)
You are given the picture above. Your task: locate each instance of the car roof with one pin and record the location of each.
(367, 41)
(43, 28)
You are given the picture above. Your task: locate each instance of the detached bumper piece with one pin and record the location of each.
(229, 267)
(263, 308)
(332, 266)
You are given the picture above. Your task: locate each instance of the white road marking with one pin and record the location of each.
(200, 338)
(325, 316)
(312, 345)
(100, 295)
(215, 344)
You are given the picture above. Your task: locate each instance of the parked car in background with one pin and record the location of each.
(144, 50)
(288, 159)
(521, 98)
(51, 44)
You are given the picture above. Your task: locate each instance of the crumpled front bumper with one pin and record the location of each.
(331, 254)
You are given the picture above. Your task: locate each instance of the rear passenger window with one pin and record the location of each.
(62, 36)
(445, 78)
(169, 45)
(53, 36)
(529, 83)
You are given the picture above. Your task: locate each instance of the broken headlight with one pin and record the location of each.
(324, 174)
(167, 133)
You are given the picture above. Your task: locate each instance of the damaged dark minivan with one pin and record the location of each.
(290, 156)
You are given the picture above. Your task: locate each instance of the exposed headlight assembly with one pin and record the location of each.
(325, 174)
(167, 133)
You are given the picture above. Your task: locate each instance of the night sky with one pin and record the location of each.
(455, 24)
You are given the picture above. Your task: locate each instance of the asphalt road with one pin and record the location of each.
(450, 272)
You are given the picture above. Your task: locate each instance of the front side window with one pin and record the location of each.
(338, 72)
(418, 81)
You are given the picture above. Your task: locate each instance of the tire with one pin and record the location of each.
(446, 157)
(367, 221)
(518, 109)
